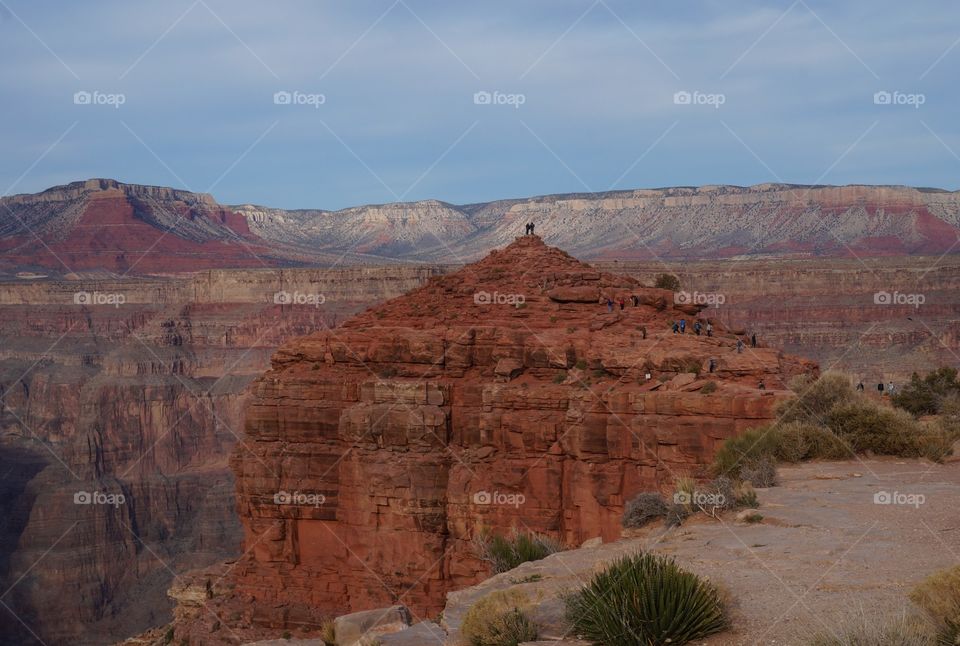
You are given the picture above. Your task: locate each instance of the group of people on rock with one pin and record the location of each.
(528, 230)
(680, 327)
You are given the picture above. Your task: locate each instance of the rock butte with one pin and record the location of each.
(410, 417)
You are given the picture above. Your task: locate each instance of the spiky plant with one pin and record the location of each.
(646, 600)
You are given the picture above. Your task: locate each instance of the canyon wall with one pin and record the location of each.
(121, 400)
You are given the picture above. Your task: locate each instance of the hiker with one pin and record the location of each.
(890, 388)
(761, 385)
(531, 228)
(643, 331)
(860, 386)
(609, 304)
(622, 303)
(635, 299)
(683, 326)
(676, 327)
(880, 388)
(753, 340)
(713, 364)
(697, 327)
(709, 328)
(526, 229)
(739, 345)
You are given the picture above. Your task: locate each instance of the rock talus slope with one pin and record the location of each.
(504, 395)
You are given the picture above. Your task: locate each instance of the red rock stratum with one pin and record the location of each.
(503, 395)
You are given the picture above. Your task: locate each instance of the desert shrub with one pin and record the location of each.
(667, 281)
(871, 631)
(560, 377)
(498, 619)
(328, 634)
(643, 508)
(746, 450)
(709, 387)
(675, 515)
(746, 496)
(815, 398)
(866, 426)
(926, 395)
(939, 596)
(760, 473)
(504, 553)
(798, 441)
(581, 364)
(646, 599)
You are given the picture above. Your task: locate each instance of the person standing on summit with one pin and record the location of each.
(531, 228)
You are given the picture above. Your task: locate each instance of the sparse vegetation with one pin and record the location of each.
(646, 599)
(498, 619)
(708, 388)
(560, 377)
(871, 631)
(328, 633)
(504, 553)
(581, 364)
(643, 508)
(667, 281)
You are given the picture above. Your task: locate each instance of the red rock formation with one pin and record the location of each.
(503, 395)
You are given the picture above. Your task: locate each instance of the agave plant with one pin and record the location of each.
(647, 600)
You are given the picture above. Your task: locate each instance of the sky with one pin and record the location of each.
(335, 103)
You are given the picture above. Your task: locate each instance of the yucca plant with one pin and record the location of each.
(646, 600)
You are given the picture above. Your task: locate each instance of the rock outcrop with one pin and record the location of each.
(504, 395)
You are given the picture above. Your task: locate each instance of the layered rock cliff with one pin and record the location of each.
(120, 401)
(504, 395)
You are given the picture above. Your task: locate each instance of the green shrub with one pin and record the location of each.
(925, 395)
(746, 450)
(798, 441)
(667, 281)
(646, 599)
(498, 619)
(560, 377)
(643, 508)
(815, 399)
(504, 553)
(865, 426)
(581, 364)
(709, 387)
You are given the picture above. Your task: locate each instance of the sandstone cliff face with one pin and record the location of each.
(502, 395)
(141, 399)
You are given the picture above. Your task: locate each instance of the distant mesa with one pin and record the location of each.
(131, 229)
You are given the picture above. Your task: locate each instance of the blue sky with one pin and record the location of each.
(583, 96)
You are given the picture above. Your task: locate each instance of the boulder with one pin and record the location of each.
(366, 627)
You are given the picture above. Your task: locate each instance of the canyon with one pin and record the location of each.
(135, 321)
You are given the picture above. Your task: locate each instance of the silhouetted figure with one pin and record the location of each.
(643, 331)
(635, 299)
(753, 340)
(622, 303)
(880, 388)
(526, 229)
(676, 327)
(709, 328)
(860, 386)
(739, 346)
(713, 365)
(531, 228)
(609, 304)
(697, 327)
(683, 326)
